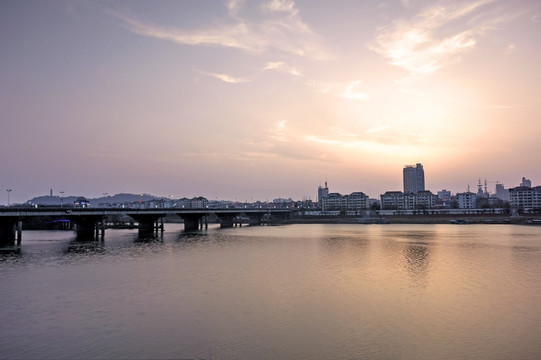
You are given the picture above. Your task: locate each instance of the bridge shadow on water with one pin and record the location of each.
(9, 251)
(148, 237)
(91, 245)
(86, 246)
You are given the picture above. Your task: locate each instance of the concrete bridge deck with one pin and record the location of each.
(90, 221)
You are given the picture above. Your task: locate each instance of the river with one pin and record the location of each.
(276, 292)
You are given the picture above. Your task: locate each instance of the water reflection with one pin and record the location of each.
(412, 249)
(417, 260)
(334, 243)
(148, 237)
(10, 252)
(85, 247)
(191, 236)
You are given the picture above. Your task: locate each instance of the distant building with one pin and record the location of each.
(352, 202)
(322, 192)
(357, 201)
(526, 183)
(398, 200)
(525, 197)
(425, 200)
(501, 192)
(466, 200)
(283, 203)
(81, 202)
(414, 178)
(444, 195)
(445, 198)
(332, 201)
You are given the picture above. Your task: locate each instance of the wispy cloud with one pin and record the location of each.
(351, 90)
(322, 140)
(282, 29)
(437, 35)
(233, 6)
(388, 135)
(287, 6)
(281, 66)
(227, 78)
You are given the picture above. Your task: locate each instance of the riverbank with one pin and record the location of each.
(417, 219)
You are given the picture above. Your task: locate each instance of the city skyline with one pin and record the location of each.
(255, 100)
(322, 191)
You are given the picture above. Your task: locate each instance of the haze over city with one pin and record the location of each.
(261, 99)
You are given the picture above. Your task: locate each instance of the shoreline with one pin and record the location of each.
(419, 219)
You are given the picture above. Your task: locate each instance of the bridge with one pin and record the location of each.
(91, 221)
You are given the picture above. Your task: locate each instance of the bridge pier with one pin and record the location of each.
(7, 231)
(192, 221)
(88, 227)
(11, 230)
(278, 218)
(204, 222)
(149, 223)
(256, 219)
(227, 220)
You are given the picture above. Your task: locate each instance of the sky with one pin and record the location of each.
(254, 100)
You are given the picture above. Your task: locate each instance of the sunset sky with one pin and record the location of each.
(263, 99)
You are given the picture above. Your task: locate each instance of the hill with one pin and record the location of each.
(115, 199)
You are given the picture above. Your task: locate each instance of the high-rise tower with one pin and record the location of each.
(414, 178)
(322, 192)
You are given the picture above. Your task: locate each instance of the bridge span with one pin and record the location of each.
(91, 221)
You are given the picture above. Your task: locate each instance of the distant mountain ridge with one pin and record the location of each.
(115, 199)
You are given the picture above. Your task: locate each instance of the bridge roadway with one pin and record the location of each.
(90, 221)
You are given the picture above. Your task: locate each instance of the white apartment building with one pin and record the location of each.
(408, 201)
(425, 200)
(351, 202)
(466, 200)
(525, 197)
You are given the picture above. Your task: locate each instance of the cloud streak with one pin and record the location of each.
(350, 90)
(227, 78)
(282, 29)
(437, 35)
(283, 67)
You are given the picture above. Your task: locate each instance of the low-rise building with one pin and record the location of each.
(425, 200)
(352, 202)
(397, 200)
(332, 201)
(525, 197)
(502, 192)
(466, 200)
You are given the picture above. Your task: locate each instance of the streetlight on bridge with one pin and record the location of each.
(8, 190)
(61, 198)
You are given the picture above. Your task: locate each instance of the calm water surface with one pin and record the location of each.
(284, 292)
